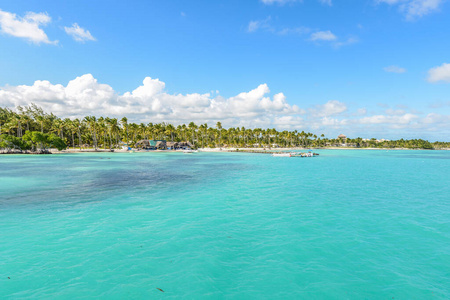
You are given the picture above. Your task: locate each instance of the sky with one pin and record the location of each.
(368, 68)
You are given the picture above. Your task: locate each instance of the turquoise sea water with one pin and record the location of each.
(352, 224)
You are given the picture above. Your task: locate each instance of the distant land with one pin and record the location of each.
(31, 129)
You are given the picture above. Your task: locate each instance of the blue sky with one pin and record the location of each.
(374, 68)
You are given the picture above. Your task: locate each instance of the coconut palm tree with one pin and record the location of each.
(91, 122)
(219, 128)
(124, 123)
(76, 124)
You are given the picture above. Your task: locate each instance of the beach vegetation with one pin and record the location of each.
(31, 128)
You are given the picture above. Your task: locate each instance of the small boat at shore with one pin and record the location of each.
(294, 154)
(281, 154)
(189, 151)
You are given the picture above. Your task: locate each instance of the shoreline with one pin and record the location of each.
(211, 150)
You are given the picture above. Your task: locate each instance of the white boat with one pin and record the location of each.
(293, 154)
(281, 155)
(190, 151)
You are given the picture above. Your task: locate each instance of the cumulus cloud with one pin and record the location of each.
(329, 37)
(440, 73)
(361, 111)
(394, 69)
(415, 8)
(394, 119)
(27, 27)
(395, 112)
(149, 102)
(436, 119)
(79, 34)
(84, 95)
(332, 107)
(323, 36)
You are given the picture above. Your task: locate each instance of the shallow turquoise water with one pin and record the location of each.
(353, 224)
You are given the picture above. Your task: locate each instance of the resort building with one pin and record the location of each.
(151, 144)
(163, 145)
(343, 139)
(179, 146)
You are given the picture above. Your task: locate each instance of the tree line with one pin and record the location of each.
(30, 128)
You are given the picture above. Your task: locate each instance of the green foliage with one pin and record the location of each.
(36, 138)
(45, 130)
(12, 142)
(44, 140)
(56, 142)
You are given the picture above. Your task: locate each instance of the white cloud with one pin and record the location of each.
(254, 26)
(433, 118)
(79, 34)
(361, 111)
(349, 41)
(85, 96)
(419, 8)
(296, 30)
(332, 107)
(328, 36)
(395, 112)
(150, 102)
(266, 25)
(317, 36)
(394, 69)
(383, 119)
(27, 27)
(439, 104)
(323, 36)
(415, 8)
(441, 73)
(260, 24)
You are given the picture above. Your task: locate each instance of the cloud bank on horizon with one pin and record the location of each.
(150, 102)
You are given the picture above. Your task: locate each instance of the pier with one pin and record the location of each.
(294, 154)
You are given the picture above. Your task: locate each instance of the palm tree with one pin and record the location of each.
(219, 128)
(41, 121)
(91, 122)
(170, 129)
(124, 122)
(77, 125)
(192, 127)
(114, 130)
